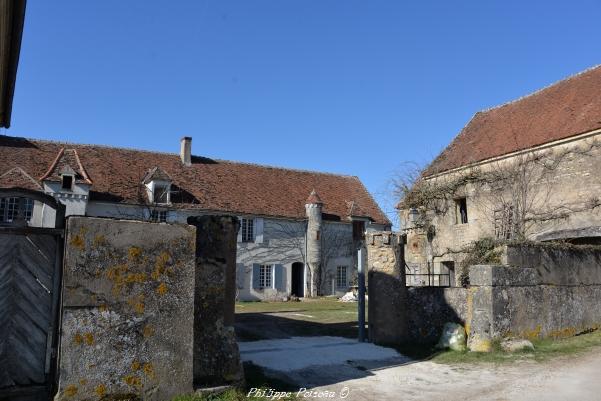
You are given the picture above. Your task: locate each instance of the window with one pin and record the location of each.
(265, 276)
(504, 227)
(67, 182)
(448, 267)
(248, 230)
(9, 208)
(358, 230)
(161, 193)
(341, 277)
(461, 211)
(158, 216)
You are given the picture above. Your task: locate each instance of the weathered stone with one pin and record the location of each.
(453, 337)
(216, 354)
(516, 344)
(387, 291)
(128, 297)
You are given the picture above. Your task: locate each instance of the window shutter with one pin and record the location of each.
(280, 278)
(239, 239)
(258, 230)
(240, 275)
(256, 276)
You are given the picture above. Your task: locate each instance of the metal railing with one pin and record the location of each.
(425, 277)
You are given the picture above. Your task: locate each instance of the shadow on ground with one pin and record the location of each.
(354, 360)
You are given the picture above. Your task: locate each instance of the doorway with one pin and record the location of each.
(298, 280)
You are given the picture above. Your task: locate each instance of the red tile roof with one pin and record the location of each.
(314, 198)
(213, 185)
(17, 178)
(567, 108)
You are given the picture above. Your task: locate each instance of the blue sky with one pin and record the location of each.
(345, 86)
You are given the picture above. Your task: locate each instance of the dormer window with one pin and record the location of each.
(67, 182)
(161, 193)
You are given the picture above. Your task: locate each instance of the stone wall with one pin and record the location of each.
(138, 298)
(540, 291)
(429, 308)
(544, 291)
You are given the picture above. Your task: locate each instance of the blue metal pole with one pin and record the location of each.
(361, 303)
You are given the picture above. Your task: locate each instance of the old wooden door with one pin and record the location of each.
(30, 263)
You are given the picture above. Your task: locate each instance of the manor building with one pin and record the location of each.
(529, 169)
(299, 230)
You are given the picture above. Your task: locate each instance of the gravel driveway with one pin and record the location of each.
(340, 368)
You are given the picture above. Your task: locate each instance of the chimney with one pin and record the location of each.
(185, 152)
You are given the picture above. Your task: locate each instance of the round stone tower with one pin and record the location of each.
(313, 208)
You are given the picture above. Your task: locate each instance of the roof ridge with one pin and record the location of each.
(536, 92)
(177, 154)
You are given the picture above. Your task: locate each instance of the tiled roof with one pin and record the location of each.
(66, 162)
(215, 185)
(567, 108)
(17, 178)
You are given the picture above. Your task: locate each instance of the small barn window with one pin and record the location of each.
(461, 211)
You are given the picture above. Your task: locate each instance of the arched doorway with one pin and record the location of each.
(298, 280)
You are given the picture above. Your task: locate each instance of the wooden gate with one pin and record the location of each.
(30, 276)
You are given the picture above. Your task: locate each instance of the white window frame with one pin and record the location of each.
(247, 229)
(161, 184)
(10, 208)
(266, 276)
(158, 216)
(341, 278)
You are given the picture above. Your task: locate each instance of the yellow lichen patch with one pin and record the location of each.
(100, 390)
(103, 308)
(132, 380)
(148, 331)
(533, 334)
(160, 264)
(83, 382)
(149, 369)
(78, 242)
(70, 390)
(162, 289)
(99, 240)
(563, 333)
(137, 304)
(134, 252)
(135, 366)
(135, 278)
(77, 339)
(89, 337)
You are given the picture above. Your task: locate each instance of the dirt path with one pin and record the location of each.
(367, 373)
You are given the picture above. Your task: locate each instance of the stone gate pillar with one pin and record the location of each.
(386, 288)
(216, 355)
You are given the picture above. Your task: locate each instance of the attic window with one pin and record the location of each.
(67, 182)
(161, 193)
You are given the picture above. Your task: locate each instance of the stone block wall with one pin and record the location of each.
(542, 291)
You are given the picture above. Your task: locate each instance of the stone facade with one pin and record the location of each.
(566, 201)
